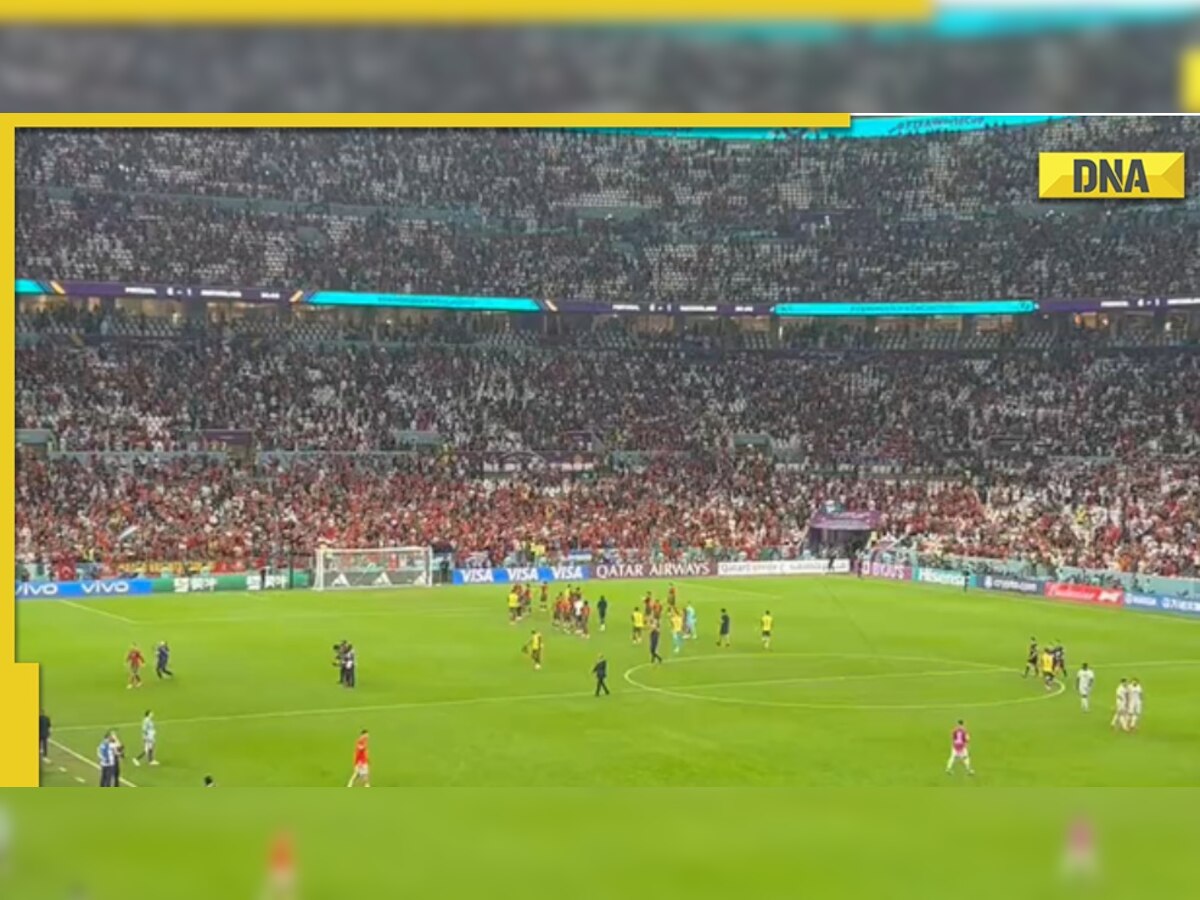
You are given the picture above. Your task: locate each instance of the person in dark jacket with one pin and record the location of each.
(600, 670)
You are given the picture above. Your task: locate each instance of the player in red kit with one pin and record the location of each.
(959, 749)
(281, 869)
(135, 660)
(362, 767)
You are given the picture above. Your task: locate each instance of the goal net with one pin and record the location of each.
(340, 569)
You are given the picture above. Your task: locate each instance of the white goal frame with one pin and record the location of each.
(371, 576)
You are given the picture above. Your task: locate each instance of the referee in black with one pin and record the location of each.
(600, 670)
(654, 636)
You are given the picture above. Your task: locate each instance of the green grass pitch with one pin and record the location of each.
(862, 685)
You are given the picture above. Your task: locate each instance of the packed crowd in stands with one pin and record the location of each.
(1129, 516)
(600, 216)
(979, 456)
(485, 441)
(821, 410)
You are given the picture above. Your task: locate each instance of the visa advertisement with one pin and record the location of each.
(521, 575)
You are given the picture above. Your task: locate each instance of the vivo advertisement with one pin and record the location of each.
(66, 590)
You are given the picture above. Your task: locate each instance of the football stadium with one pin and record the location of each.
(577, 458)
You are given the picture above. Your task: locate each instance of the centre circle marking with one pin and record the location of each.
(741, 701)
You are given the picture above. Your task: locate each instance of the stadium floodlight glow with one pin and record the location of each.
(931, 308)
(424, 301)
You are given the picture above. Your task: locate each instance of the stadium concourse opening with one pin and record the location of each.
(753, 433)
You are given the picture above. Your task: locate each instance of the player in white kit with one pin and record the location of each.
(1121, 712)
(1084, 679)
(149, 740)
(959, 752)
(1135, 704)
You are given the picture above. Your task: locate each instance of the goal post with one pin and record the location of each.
(339, 568)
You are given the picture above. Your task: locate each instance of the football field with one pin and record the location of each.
(862, 685)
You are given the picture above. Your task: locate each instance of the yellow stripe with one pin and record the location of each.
(1189, 97)
(454, 12)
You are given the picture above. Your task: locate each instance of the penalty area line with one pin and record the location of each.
(100, 612)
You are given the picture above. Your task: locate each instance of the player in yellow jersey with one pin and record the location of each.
(534, 648)
(676, 629)
(514, 606)
(767, 621)
(639, 623)
(1047, 666)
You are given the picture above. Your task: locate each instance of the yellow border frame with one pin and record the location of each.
(19, 764)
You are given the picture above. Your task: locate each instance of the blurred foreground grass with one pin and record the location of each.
(695, 843)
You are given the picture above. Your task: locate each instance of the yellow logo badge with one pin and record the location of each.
(1110, 176)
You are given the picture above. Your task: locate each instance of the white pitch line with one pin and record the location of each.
(722, 589)
(517, 698)
(887, 675)
(1151, 663)
(348, 615)
(815, 678)
(100, 612)
(83, 759)
(338, 710)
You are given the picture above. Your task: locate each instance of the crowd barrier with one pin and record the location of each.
(783, 567)
(638, 570)
(1070, 592)
(1158, 603)
(120, 587)
(520, 575)
(942, 576)
(108, 587)
(1085, 593)
(889, 571)
(251, 581)
(1011, 583)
